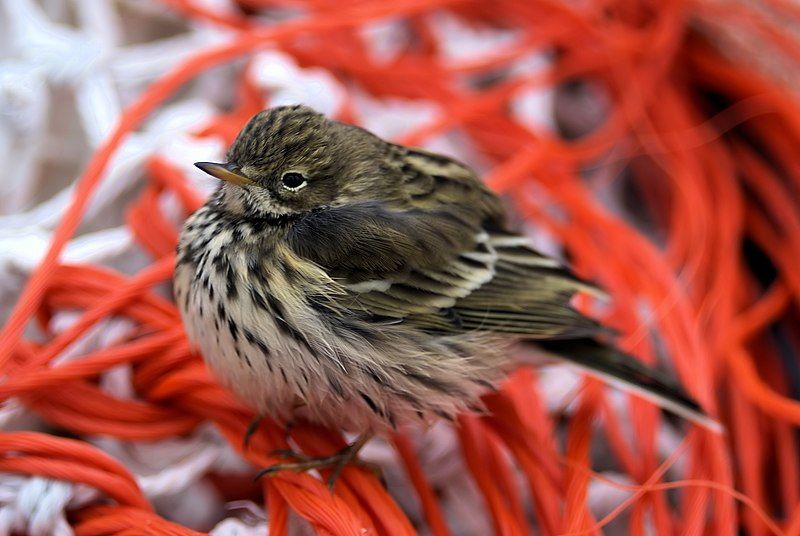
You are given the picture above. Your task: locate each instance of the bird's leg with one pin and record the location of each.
(287, 430)
(251, 429)
(337, 462)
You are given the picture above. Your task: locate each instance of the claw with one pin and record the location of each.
(266, 472)
(335, 473)
(252, 428)
(337, 462)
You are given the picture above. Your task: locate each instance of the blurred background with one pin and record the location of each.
(652, 144)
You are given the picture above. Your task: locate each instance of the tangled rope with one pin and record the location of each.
(669, 174)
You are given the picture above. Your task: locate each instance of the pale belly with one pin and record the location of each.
(258, 332)
(253, 356)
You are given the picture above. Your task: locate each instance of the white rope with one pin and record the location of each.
(63, 86)
(236, 527)
(36, 506)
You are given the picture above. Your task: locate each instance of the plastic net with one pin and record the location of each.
(654, 144)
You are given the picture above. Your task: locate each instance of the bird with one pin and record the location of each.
(349, 281)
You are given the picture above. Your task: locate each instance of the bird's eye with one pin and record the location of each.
(293, 180)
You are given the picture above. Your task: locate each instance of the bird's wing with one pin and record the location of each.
(447, 266)
(396, 263)
(529, 294)
(440, 274)
(440, 260)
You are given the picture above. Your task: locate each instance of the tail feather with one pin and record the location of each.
(629, 374)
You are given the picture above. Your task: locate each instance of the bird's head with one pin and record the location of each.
(291, 159)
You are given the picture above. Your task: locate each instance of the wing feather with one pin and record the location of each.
(433, 262)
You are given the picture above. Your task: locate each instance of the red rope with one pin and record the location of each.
(706, 147)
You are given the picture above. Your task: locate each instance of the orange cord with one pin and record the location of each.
(709, 144)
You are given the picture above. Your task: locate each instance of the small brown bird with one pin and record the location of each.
(343, 279)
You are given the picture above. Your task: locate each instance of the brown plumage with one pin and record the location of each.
(361, 284)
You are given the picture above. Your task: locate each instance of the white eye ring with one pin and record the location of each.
(293, 180)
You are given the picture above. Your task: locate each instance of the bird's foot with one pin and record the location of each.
(252, 428)
(337, 462)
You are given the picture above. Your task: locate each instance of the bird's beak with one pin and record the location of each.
(225, 172)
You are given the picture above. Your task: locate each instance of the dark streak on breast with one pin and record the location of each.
(234, 330)
(284, 325)
(258, 343)
(371, 404)
(258, 299)
(230, 283)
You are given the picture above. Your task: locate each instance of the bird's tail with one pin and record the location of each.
(629, 374)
